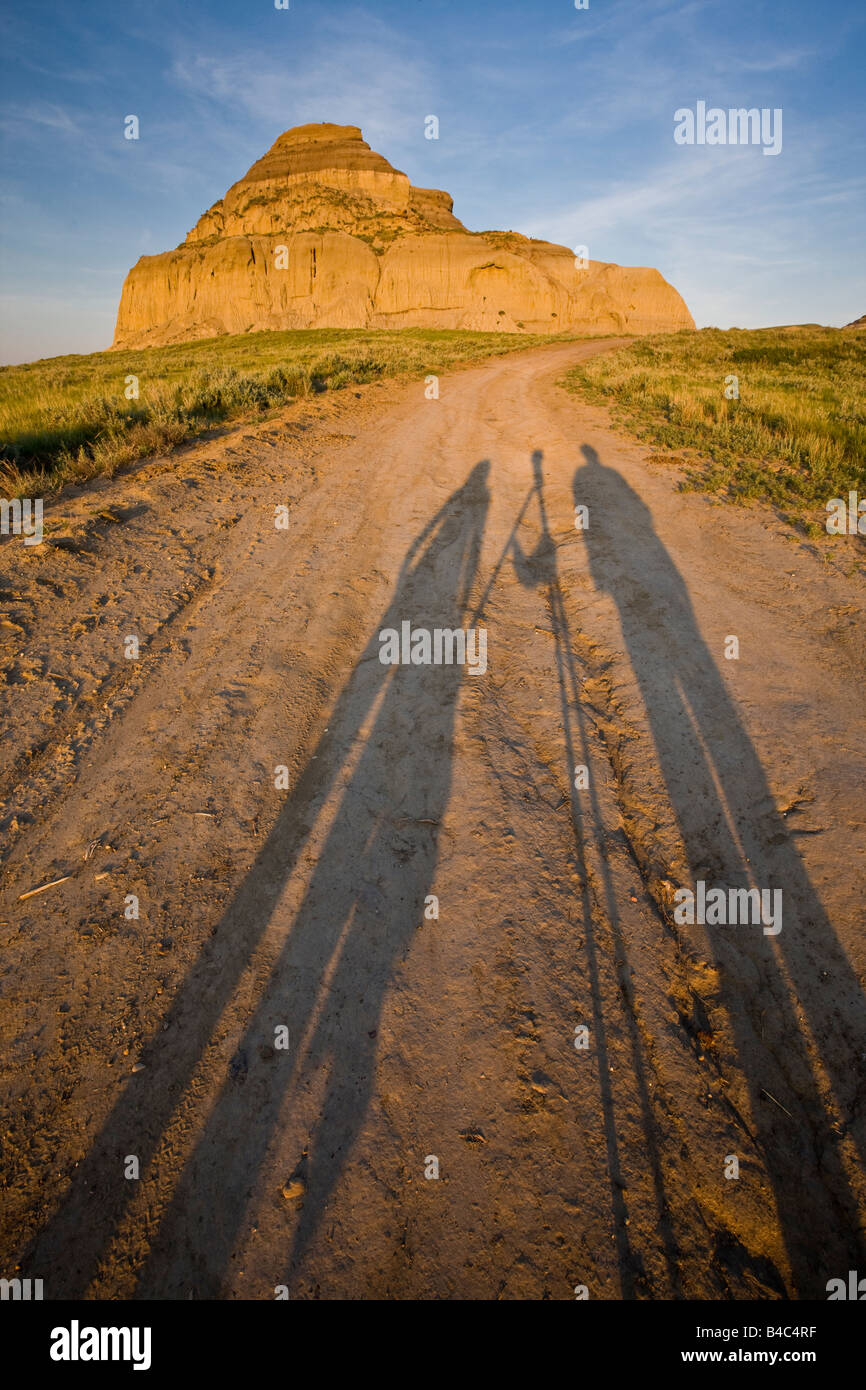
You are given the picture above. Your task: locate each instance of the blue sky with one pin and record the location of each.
(554, 121)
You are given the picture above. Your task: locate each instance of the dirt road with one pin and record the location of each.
(286, 1044)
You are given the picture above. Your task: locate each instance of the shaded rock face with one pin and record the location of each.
(322, 232)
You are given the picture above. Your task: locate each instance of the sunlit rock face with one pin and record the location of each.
(322, 232)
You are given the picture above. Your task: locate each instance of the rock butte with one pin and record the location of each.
(365, 249)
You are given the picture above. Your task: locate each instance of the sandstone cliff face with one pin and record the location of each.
(323, 233)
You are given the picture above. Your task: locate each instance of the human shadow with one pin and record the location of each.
(734, 835)
(539, 570)
(386, 761)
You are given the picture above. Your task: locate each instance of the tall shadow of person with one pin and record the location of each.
(361, 908)
(733, 835)
(386, 763)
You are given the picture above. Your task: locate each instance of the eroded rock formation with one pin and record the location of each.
(323, 233)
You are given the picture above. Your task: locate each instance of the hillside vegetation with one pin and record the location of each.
(65, 419)
(795, 436)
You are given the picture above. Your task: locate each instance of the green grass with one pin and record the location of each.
(795, 437)
(65, 419)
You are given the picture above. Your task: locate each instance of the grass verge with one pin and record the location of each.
(65, 419)
(794, 437)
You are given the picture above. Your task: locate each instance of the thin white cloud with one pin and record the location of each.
(774, 61)
(739, 239)
(676, 191)
(22, 118)
(359, 73)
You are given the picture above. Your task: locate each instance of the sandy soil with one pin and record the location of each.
(304, 909)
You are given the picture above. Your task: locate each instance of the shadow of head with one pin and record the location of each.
(475, 488)
(479, 474)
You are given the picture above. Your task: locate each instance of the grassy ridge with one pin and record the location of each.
(795, 437)
(67, 418)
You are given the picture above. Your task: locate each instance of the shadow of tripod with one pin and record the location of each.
(539, 571)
